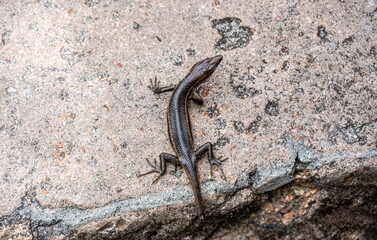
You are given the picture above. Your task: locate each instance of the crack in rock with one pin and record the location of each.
(66, 220)
(277, 175)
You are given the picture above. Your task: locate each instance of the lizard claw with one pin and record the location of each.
(155, 85)
(157, 178)
(155, 168)
(217, 161)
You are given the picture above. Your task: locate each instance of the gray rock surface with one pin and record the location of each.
(293, 106)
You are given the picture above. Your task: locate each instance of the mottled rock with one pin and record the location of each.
(292, 107)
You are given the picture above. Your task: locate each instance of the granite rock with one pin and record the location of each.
(292, 106)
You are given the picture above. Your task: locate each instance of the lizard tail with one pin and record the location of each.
(195, 185)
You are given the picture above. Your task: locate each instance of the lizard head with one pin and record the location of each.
(207, 66)
(212, 63)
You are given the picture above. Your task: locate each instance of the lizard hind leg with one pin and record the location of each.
(207, 147)
(161, 169)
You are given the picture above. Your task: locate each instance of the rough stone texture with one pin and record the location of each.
(336, 201)
(292, 105)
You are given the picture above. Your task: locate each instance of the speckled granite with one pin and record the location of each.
(295, 93)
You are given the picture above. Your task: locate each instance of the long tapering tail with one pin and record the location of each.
(192, 174)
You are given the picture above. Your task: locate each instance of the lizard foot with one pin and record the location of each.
(155, 86)
(217, 162)
(155, 168)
